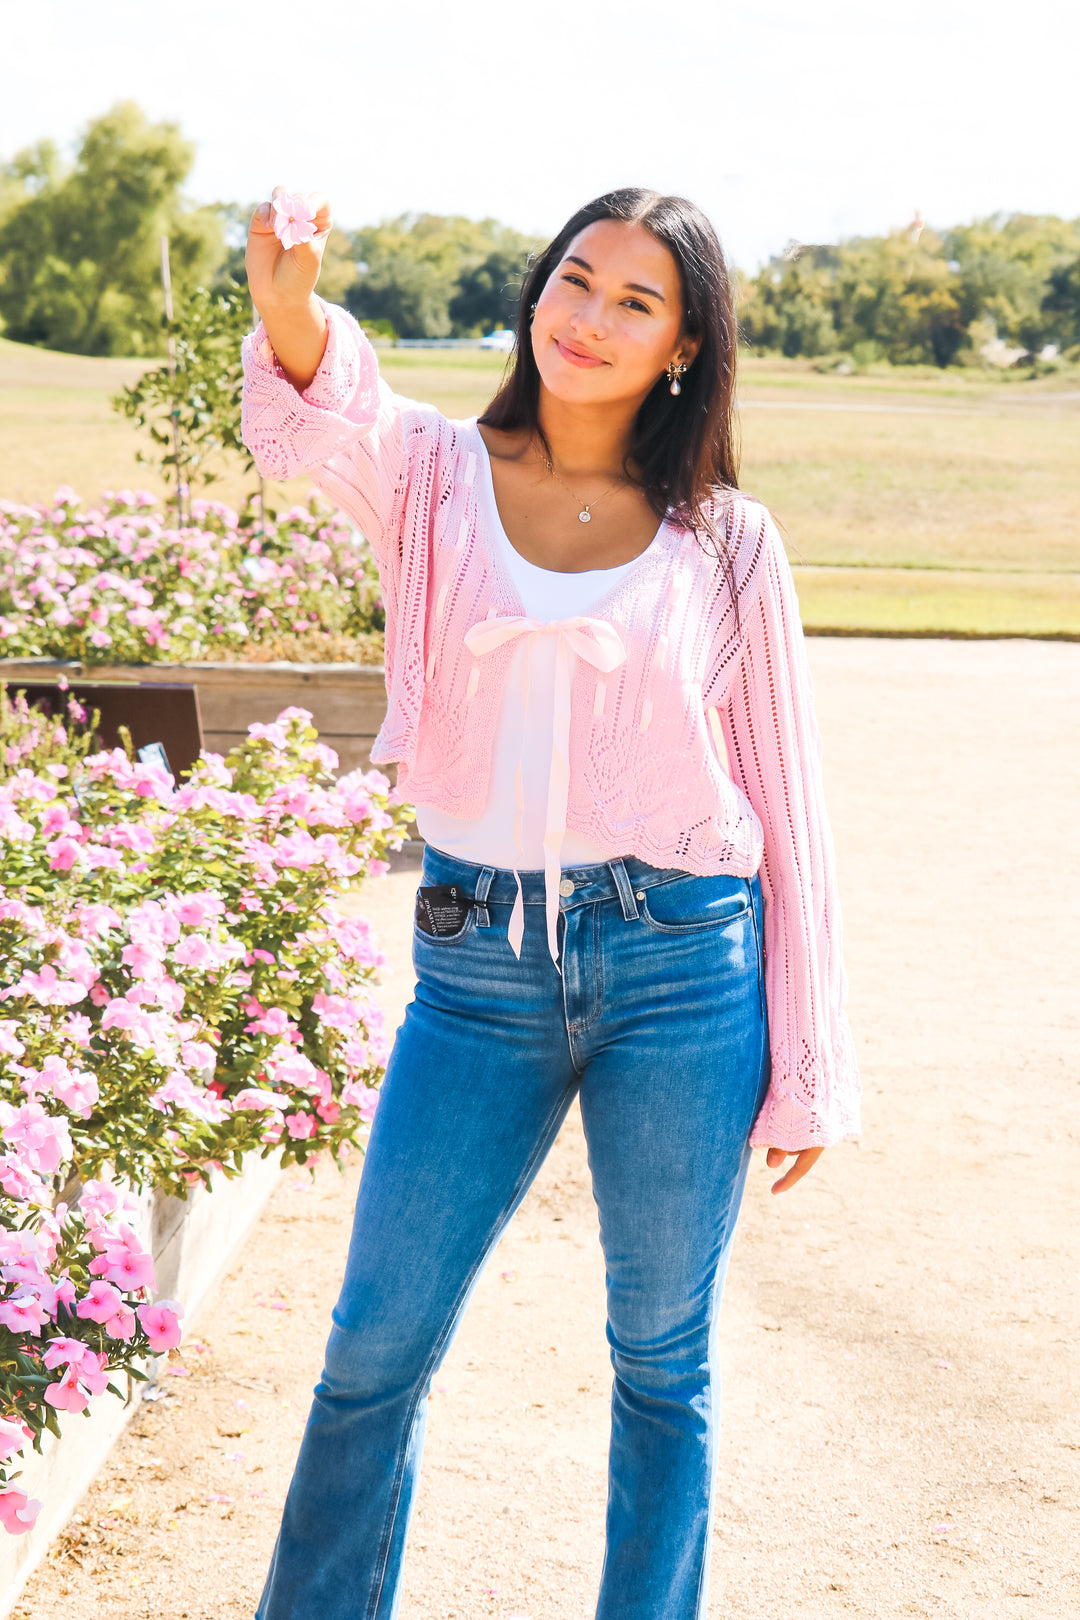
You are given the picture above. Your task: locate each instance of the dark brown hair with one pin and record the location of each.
(685, 448)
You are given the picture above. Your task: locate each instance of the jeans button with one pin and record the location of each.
(566, 888)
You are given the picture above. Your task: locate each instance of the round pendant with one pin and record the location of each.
(585, 517)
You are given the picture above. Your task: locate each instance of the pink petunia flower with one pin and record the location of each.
(53, 1295)
(68, 1395)
(124, 1262)
(301, 1125)
(256, 1097)
(63, 854)
(13, 1436)
(196, 952)
(102, 1302)
(274, 1021)
(88, 1365)
(294, 219)
(19, 1181)
(23, 1314)
(289, 1068)
(161, 1324)
(10, 1044)
(195, 910)
(18, 1512)
(44, 1141)
(121, 1325)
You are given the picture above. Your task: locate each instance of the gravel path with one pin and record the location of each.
(901, 1431)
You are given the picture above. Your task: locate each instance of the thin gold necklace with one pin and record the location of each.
(585, 515)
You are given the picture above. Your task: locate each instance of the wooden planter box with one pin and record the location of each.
(347, 701)
(193, 1241)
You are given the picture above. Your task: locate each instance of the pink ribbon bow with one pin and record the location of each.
(600, 645)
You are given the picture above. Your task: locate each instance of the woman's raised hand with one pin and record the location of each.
(282, 284)
(281, 277)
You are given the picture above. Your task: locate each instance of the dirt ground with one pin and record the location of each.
(901, 1432)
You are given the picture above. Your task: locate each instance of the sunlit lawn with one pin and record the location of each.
(950, 501)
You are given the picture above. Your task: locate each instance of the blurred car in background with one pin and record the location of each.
(502, 338)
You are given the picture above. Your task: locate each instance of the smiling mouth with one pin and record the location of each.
(579, 357)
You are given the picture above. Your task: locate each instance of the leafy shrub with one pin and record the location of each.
(182, 987)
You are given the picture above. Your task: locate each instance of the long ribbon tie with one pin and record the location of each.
(600, 645)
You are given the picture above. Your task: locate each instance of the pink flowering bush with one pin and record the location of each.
(118, 582)
(76, 1311)
(179, 987)
(29, 737)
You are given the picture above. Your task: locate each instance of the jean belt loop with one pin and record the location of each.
(483, 889)
(626, 893)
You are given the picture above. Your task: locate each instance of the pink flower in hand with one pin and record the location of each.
(161, 1324)
(17, 1512)
(294, 220)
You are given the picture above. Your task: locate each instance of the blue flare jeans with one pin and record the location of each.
(657, 1023)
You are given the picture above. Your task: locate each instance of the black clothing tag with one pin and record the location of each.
(442, 909)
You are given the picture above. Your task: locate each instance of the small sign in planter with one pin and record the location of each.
(161, 719)
(193, 1242)
(347, 701)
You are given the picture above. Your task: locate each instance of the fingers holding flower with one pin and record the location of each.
(286, 241)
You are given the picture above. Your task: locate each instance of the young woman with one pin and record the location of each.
(600, 704)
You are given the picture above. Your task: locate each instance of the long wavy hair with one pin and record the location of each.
(683, 452)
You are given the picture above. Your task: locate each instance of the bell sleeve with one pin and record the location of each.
(774, 752)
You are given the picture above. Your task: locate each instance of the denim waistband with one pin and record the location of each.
(613, 880)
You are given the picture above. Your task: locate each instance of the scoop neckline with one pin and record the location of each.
(617, 573)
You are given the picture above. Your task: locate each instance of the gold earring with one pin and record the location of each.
(674, 372)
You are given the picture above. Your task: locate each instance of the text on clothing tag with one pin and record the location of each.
(442, 909)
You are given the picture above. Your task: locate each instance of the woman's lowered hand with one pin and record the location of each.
(804, 1162)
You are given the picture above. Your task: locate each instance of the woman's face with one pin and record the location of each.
(610, 318)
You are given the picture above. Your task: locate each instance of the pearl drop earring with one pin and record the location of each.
(674, 372)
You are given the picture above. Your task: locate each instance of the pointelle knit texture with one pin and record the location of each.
(646, 772)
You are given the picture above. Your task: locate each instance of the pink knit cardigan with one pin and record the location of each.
(646, 773)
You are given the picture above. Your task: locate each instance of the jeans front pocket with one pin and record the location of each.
(422, 937)
(688, 904)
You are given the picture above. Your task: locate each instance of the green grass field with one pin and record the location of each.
(909, 500)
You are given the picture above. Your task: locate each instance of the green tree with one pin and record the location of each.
(900, 294)
(431, 275)
(79, 252)
(192, 410)
(487, 293)
(24, 176)
(895, 292)
(1061, 305)
(1003, 268)
(788, 307)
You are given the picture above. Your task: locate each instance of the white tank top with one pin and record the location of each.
(488, 839)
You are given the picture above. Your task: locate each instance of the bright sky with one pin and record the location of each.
(782, 120)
